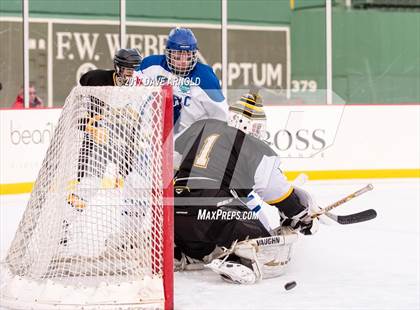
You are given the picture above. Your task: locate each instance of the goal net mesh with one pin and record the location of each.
(94, 221)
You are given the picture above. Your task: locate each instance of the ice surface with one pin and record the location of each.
(371, 265)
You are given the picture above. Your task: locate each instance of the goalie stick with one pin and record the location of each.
(350, 218)
(353, 218)
(343, 219)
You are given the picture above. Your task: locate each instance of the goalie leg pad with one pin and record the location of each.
(268, 256)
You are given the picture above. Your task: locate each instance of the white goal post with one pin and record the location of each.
(97, 232)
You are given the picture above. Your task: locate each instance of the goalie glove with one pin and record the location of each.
(309, 203)
(99, 134)
(300, 218)
(304, 223)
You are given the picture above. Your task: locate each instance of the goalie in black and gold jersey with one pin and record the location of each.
(226, 172)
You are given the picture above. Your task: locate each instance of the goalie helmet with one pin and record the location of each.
(248, 115)
(126, 61)
(181, 51)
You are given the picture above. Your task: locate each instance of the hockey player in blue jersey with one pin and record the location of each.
(196, 88)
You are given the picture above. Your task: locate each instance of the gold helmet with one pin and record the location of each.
(247, 114)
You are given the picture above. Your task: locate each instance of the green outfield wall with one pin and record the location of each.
(375, 52)
(207, 11)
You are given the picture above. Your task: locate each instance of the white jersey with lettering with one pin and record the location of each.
(197, 96)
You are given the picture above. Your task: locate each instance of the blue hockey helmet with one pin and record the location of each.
(181, 51)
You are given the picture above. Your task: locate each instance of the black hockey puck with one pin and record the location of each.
(289, 285)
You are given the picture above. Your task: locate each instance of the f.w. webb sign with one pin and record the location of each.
(62, 50)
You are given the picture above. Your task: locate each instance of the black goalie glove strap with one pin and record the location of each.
(303, 222)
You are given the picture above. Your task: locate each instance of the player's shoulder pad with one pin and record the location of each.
(211, 121)
(208, 81)
(197, 126)
(153, 60)
(262, 146)
(201, 124)
(189, 133)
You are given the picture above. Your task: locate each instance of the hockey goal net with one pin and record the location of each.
(97, 231)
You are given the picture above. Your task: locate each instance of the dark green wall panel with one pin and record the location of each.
(376, 54)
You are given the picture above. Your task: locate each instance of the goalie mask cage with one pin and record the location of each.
(97, 232)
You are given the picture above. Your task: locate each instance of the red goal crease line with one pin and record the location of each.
(24, 188)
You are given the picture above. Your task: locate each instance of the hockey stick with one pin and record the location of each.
(348, 219)
(354, 218)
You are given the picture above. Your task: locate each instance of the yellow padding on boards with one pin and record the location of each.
(23, 188)
(16, 188)
(356, 174)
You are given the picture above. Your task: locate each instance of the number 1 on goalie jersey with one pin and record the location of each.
(203, 156)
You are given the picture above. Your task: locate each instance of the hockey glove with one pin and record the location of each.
(309, 203)
(304, 223)
(99, 134)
